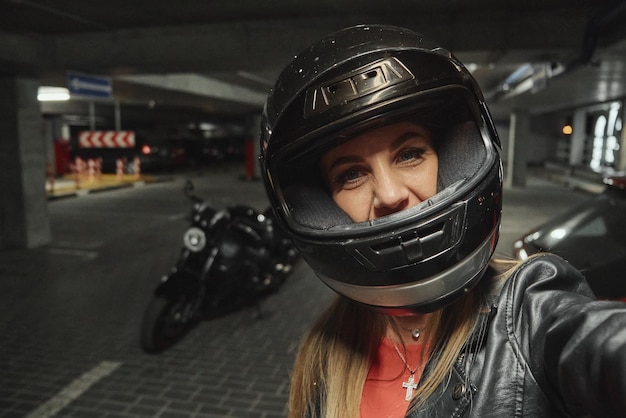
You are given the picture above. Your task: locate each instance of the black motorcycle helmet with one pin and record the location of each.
(419, 259)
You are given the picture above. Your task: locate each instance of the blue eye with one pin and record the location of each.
(351, 175)
(349, 178)
(407, 154)
(410, 154)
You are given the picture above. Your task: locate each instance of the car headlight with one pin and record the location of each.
(194, 239)
(520, 251)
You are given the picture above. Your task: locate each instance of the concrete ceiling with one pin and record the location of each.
(222, 57)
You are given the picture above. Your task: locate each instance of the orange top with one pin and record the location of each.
(384, 395)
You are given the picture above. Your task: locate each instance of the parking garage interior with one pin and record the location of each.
(191, 78)
(172, 70)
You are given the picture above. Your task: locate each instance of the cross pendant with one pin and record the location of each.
(409, 385)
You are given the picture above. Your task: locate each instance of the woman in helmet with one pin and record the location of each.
(381, 161)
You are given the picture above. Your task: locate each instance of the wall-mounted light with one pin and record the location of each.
(567, 129)
(49, 94)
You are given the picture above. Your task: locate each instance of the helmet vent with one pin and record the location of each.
(411, 245)
(361, 82)
(416, 245)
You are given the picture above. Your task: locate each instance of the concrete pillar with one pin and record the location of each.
(519, 136)
(24, 221)
(621, 163)
(118, 116)
(577, 144)
(49, 134)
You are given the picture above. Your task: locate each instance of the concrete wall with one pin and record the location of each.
(24, 218)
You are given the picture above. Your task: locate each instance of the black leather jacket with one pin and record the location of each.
(546, 349)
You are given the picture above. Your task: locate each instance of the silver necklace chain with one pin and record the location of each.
(406, 364)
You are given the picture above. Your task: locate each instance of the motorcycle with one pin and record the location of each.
(231, 258)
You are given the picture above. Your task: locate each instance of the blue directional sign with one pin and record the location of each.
(88, 85)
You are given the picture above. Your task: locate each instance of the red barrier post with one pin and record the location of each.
(137, 167)
(119, 168)
(91, 169)
(250, 163)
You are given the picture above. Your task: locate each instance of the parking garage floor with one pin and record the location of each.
(70, 312)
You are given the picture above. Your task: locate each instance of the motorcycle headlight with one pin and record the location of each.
(194, 239)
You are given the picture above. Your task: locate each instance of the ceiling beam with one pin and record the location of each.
(254, 45)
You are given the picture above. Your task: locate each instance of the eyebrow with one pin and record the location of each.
(405, 137)
(396, 143)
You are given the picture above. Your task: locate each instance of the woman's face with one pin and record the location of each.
(382, 171)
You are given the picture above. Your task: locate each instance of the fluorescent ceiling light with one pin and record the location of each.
(206, 126)
(49, 94)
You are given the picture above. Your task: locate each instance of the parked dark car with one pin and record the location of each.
(591, 236)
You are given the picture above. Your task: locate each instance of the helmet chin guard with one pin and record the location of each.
(421, 258)
(421, 296)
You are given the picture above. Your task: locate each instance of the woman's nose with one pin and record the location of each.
(390, 195)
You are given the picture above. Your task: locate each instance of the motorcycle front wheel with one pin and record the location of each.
(165, 322)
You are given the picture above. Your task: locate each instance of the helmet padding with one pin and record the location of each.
(461, 153)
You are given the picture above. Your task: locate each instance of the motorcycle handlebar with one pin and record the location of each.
(189, 192)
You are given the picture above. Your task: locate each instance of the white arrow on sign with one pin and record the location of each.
(78, 84)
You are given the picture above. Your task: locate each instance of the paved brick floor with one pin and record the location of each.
(234, 366)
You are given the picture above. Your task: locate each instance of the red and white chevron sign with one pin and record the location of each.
(106, 139)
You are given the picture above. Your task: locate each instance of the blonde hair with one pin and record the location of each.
(334, 358)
